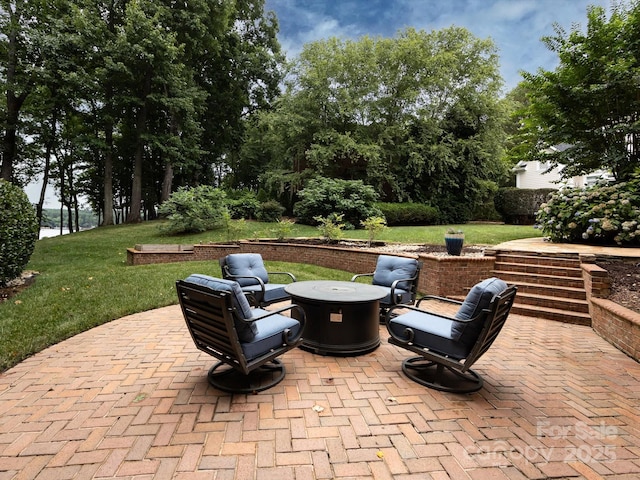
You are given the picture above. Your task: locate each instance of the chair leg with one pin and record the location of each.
(441, 377)
(225, 378)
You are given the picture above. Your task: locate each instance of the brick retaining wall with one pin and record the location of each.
(618, 325)
(442, 276)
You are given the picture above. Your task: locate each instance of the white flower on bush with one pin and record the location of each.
(608, 225)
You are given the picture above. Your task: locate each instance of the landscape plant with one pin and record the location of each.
(374, 226)
(408, 213)
(18, 231)
(604, 214)
(283, 229)
(331, 227)
(269, 211)
(353, 200)
(193, 210)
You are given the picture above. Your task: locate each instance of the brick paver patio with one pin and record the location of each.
(130, 399)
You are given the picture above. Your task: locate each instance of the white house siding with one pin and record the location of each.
(532, 175)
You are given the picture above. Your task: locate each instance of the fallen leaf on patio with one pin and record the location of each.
(318, 408)
(380, 454)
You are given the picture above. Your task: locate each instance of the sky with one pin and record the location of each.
(515, 26)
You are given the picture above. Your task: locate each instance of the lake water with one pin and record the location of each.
(52, 232)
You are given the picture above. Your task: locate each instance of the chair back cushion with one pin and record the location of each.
(390, 268)
(246, 330)
(250, 264)
(477, 300)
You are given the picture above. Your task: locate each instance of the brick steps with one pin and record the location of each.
(549, 286)
(559, 315)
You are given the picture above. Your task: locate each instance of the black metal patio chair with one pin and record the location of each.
(249, 271)
(399, 276)
(245, 340)
(447, 346)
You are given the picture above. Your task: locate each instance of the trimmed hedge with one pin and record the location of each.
(18, 231)
(409, 213)
(519, 206)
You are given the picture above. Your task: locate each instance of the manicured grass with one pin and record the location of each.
(84, 281)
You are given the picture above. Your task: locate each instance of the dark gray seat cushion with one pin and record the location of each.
(273, 292)
(390, 268)
(247, 264)
(477, 300)
(430, 332)
(247, 331)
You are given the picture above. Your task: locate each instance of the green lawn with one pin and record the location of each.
(84, 281)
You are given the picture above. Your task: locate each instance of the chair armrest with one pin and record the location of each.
(392, 294)
(290, 275)
(279, 311)
(389, 315)
(257, 279)
(355, 277)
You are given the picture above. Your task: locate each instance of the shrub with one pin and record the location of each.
(518, 206)
(18, 231)
(330, 227)
(242, 204)
(269, 211)
(194, 210)
(409, 213)
(374, 226)
(599, 214)
(283, 229)
(322, 197)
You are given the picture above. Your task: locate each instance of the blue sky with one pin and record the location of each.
(516, 26)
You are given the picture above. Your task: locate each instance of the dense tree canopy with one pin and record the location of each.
(417, 116)
(591, 101)
(123, 100)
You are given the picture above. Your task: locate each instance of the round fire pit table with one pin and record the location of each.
(342, 318)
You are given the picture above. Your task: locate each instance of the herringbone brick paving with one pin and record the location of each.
(130, 400)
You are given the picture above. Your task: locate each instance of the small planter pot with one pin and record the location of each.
(454, 242)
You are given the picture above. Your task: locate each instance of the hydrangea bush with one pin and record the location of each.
(603, 214)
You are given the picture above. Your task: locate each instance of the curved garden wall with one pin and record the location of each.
(450, 276)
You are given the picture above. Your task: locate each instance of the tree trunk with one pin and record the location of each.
(108, 178)
(167, 183)
(136, 185)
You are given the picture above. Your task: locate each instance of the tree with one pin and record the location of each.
(23, 35)
(591, 100)
(416, 116)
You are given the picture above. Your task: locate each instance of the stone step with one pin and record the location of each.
(538, 259)
(551, 290)
(539, 279)
(559, 271)
(551, 314)
(556, 303)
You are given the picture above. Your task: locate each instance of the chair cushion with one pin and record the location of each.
(246, 330)
(390, 268)
(430, 332)
(270, 333)
(477, 300)
(248, 264)
(273, 292)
